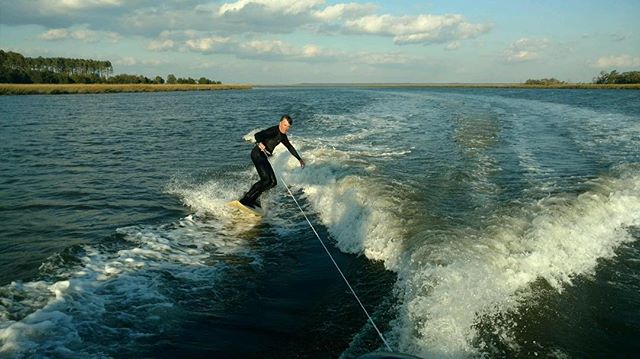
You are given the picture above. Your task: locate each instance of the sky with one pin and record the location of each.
(318, 41)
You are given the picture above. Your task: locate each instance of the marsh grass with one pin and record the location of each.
(53, 89)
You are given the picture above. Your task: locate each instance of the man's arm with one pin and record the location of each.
(292, 150)
(264, 134)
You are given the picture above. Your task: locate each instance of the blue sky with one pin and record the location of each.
(288, 41)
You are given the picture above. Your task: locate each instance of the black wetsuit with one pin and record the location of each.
(270, 138)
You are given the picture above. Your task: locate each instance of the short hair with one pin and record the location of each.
(286, 117)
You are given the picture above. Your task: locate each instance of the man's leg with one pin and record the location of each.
(272, 182)
(266, 177)
(267, 181)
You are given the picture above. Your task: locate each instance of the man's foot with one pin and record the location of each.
(246, 203)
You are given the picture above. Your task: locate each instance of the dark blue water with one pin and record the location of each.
(472, 222)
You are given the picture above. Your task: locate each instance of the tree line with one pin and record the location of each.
(613, 78)
(16, 68)
(551, 81)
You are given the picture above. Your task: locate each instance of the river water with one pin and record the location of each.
(471, 222)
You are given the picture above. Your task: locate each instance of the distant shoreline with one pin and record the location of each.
(463, 85)
(55, 89)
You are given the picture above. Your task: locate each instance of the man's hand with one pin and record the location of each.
(302, 163)
(263, 148)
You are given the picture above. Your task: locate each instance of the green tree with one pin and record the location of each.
(551, 81)
(188, 80)
(631, 77)
(15, 68)
(607, 78)
(613, 77)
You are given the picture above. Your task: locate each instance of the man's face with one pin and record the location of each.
(284, 126)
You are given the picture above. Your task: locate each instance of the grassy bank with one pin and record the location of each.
(472, 85)
(52, 89)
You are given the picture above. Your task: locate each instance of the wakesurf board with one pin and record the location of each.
(256, 211)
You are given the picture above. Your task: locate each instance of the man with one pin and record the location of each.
(266, 141)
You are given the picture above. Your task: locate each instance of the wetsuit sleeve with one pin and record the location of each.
(289, 146)
(263, 135)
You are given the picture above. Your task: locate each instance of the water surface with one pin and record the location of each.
(500, 222)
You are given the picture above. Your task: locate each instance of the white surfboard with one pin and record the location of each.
(258, 212)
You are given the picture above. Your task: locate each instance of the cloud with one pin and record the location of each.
(617, 61)
(454, 45)
(190, 40)
(202, 42)
(80, 4)
(286, 16)
(125, 17)
(342, 11)
(152, 21)
(161, 45)
(310, 51)
(427, 29)
(525, 49)
(266, 49)
(149, 18)
(369, 58)
(174, 40)
(265, 16)
(276, 49)
(82, 34)
(280, 50)
(289, 7)
(87, 35)
(268, 46)
(206, 44)
(54, 34)
(132, 61)
(126, 61)
(99, 14)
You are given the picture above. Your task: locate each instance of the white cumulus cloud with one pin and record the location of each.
(617, 61)
(380, 58)
(424, 28)
(132, 61)
(269, 47)
(272, 49)
(283, 16)
(80, 4)
(236, 18)
(55, 34)
(341, 11)
(311, 51)
(284, 6)
(525, 49)
(82, 34)
(206, 44)
(161, 45)
(454, 45)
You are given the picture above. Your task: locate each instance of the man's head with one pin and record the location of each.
(285, 123)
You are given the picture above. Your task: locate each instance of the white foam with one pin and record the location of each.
(250, 136)
(206, 198)
(355, 209)
(52, 318)
(445, 289)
